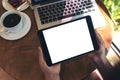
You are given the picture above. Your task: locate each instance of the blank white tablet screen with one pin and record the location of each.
(68, 40)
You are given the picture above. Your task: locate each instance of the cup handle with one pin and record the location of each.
(3, 30)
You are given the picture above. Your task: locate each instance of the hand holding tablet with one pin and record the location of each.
(68, 40)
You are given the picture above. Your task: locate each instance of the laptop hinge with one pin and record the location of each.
(48, 1)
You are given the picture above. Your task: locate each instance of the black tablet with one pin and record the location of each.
(68, 40)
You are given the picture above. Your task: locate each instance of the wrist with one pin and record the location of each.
(52, 77)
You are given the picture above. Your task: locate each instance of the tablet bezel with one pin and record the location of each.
(44, 45)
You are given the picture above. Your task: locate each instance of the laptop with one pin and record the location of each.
(53, 12)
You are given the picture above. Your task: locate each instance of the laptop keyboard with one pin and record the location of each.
(64, 9)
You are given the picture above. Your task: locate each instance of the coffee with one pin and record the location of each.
(11, 20)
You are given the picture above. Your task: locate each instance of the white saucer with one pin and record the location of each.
(24, 30)
(7, 5)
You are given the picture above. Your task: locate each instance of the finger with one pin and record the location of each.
(100, 43)
(40, 54)
(99, 39)
(41, 58)
(57, 65)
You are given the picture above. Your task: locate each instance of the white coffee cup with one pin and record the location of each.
(11, 21)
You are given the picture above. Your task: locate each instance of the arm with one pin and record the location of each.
(51, 73)
(103, 65)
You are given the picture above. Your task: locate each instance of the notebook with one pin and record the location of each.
(53, 12)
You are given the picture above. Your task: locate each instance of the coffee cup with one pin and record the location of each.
(11, 21)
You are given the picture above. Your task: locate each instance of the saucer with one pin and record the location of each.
(21, 33)
(7, 5)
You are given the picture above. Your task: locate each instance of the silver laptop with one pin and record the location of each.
(52, 12)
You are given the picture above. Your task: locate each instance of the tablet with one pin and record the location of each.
(68, 40)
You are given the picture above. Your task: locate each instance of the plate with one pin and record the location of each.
(8, 6)
(22, 32)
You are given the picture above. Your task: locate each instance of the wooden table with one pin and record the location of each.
(20, 58)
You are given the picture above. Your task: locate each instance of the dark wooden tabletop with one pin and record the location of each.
(19, 58)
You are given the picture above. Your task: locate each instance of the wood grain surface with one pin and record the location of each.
(20, 58)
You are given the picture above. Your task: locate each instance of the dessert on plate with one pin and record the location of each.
(16, 3)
